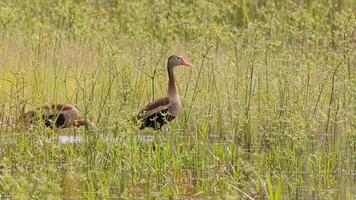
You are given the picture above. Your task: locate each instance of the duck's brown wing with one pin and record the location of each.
(59, 107)
(153, 107)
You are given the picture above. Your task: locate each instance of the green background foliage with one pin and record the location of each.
(268, 110)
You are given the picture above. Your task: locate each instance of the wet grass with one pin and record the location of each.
(268, 111)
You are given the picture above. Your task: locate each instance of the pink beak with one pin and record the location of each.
(186, 63)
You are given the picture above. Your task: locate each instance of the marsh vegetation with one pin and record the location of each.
(269, 111)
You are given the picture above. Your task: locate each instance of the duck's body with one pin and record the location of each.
(166, 109)
(56, 116)
(156, 114)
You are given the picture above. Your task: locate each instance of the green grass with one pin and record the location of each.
(268, 111)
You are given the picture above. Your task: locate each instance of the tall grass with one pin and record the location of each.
(268, 111)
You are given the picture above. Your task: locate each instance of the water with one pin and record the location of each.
(63, 139)
(68, 139)
(144, 138)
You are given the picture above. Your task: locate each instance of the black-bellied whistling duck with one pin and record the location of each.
(163, 110)
(56, 116)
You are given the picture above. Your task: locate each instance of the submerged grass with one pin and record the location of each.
(268, 111)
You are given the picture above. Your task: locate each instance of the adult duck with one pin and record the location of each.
(165, 109)
(56, 116)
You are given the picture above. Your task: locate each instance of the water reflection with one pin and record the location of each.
(62, 139)
(144, 138)
(68, 139)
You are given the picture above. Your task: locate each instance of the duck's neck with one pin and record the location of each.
(172, 88)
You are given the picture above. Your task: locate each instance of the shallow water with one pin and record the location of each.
(144, 138)
(67, 139)
(62, 139)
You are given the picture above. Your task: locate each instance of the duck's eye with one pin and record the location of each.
(179, 58)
